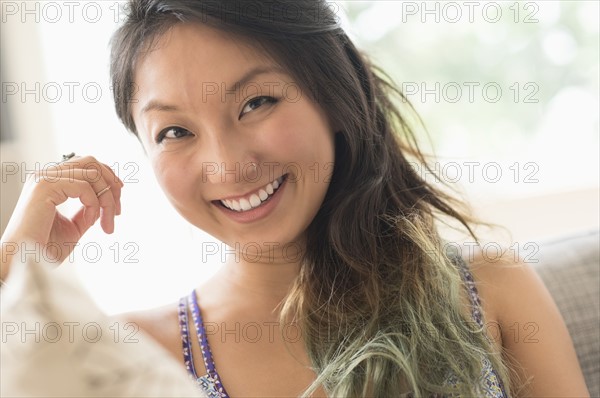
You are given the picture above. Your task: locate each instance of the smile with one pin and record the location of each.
(255, 199)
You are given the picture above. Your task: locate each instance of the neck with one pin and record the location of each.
(263, 281)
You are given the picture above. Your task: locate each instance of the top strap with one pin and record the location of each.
(185, 338)
(209, 363)
(472, 289)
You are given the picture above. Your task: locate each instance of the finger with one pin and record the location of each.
(84, 218)
(36, 208)
(96, 206)
(107, 217)
(90, 163)
(115, 186)
(59, 190)
(107, 191)
(107, 205)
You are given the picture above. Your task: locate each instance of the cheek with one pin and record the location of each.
(172, 179)
(302, 136)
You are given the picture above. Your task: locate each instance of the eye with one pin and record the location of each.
(172, 133)
(257, 102)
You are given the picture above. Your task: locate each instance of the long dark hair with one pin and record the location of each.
(374, 274)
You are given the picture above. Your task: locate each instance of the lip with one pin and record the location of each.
(257, 213)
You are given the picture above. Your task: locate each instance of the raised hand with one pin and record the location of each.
(37, 220)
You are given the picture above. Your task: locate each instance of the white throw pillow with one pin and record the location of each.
(57, 343)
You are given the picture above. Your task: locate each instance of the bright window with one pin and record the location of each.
(507, 90)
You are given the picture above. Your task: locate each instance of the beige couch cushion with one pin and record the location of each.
(570, 268)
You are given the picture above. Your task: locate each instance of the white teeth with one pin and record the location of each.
(245, 204)
(255, 199)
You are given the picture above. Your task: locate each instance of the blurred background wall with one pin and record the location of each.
(508, 92)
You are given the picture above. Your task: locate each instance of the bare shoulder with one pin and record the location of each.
(534, 336)
(493, 276)
(160, 323)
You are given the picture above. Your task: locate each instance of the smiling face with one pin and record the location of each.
(265, 150)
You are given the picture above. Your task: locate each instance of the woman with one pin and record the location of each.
(269, 130)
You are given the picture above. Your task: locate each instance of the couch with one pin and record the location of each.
(570, 268)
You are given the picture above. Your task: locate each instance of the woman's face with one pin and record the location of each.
(214, 144)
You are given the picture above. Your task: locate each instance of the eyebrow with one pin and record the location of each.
(155, 105)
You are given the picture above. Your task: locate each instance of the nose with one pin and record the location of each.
(226, 159)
